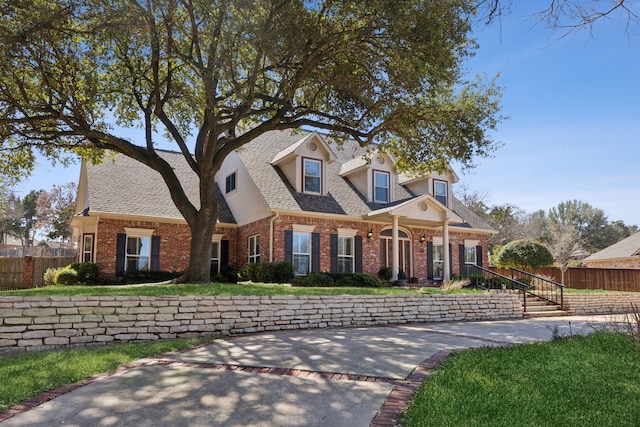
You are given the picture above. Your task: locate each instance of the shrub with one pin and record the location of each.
(50, 276)
(268, 272)
(315, 280)
(87, 272)
(325, 280)
(284, 272)
(228, 274)
(385, 273)
(149, 276)
(524, 253)
(359, 280)
(66, 276)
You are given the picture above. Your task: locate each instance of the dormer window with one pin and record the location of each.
(381, 186)
(312, 176)
(440, 191)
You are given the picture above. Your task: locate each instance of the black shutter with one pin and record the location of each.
(430, 260)
(121, 246)
(224, 253)
(333, 253)
(288, 246)
(479, 255)
(155, 253)
(462, 269)
(315, 251)
(450, 258)
(358, 254)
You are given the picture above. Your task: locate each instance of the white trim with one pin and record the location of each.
(216, 237)
(139, 232)
(347, 232)
(302, 228)
(469, 243)
(438, 240)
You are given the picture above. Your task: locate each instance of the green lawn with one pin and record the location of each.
(29, 374)
(198, 289)
(576, 381)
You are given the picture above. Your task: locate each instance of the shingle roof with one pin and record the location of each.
(125, 186)
(342, 198)
(128, 187)
(625, 248)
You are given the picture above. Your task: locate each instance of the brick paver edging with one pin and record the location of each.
(391, 411)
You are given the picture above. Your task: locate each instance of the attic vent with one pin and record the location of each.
(312, 146)
(423, 206)
(381, 160)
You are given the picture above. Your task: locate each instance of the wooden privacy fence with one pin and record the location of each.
(28, 272)
(609, 279)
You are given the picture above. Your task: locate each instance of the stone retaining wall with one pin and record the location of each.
(600, 303)
(38, 323)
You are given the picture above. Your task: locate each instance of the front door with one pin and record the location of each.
(404, 251)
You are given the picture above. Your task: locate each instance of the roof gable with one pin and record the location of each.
(313, 142)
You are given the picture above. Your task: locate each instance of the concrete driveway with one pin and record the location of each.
(316, 377)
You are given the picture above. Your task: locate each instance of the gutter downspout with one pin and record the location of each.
(273, 219)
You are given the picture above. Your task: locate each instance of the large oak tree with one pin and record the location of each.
(212, 75)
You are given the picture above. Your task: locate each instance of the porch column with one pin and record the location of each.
(395, 258)
(446, 273)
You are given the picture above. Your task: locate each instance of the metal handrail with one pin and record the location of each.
(551, 291)
(504, 283)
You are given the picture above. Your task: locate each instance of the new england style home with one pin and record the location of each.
(286, 196)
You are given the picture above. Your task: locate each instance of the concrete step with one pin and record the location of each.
(541, 307)
(555, 313)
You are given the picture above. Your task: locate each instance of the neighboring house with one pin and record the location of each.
(624, 254)
(286, 196)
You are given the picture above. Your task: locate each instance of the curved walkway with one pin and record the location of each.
(317, 377)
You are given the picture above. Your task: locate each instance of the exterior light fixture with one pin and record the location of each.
(370, 234)
(422, 239)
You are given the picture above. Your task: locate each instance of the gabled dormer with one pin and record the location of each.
(372, 175)
(304, 163)
(437, 185)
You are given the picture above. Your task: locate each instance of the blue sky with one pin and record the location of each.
(574, 107)
(574, 127)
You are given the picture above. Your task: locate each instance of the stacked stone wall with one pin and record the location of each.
(39, 323)
(598, 303)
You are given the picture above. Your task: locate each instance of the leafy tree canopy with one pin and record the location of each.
(213, 75)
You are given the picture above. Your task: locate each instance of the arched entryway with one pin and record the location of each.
(405, 258)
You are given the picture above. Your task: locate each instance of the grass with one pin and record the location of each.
(26, 375)
(225, 289)
(574, 381)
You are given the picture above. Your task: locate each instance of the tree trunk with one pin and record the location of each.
(199, 269)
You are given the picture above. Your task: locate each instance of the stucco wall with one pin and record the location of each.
(38, 323)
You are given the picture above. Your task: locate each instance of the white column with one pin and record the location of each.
(446, 273)
(395, 257)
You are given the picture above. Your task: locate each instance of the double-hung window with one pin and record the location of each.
(254, 249)
(345, 254)
(470, 259)
(137, 253)
(87, 248)
(301, 253)
(381, 187)
(438, 261)
(440, 191)
(312, 176)
(215, 258)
